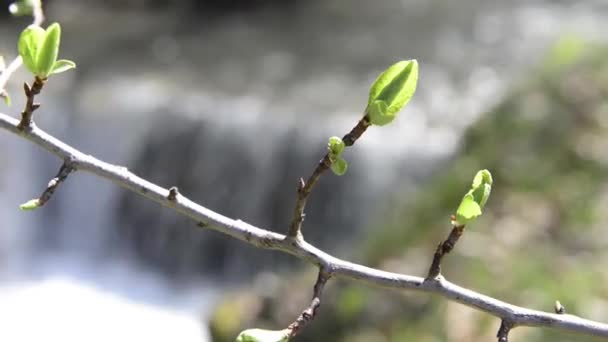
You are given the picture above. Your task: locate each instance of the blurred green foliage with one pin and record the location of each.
(543, 236)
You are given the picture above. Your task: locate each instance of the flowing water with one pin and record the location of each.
(233, 108)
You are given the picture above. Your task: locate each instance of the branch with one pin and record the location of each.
(309, 314)
(265, 239)
(30, 105)
(305, 188)
(444, 248)
(62, 175)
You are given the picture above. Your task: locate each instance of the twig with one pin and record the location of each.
(309, 314)
(265, 239)
(305, 188)
(38, 16)
(444, 248)
(30, 105)
(62, 175)
(503, 331)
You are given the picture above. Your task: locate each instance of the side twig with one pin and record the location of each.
(30, 105)
(266, 239)
(309, 314)
(62, 175)
(503, 331)
(444, 248)
(305, 187)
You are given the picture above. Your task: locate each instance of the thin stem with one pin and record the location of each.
(309, 314)
(305, 187)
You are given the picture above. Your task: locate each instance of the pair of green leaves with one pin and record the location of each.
(475, 199)
(39, 49)
(391, 91)
(261, 335)
(335, 147)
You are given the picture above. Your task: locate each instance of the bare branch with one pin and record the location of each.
(206, 218)
(309, 314)
(305, 188)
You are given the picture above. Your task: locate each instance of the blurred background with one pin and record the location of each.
(233, 101)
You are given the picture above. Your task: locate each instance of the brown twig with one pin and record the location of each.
(305, 187)
(30, 105)
(503, 331)
(62, 175)
(308, 315)
(444, 248)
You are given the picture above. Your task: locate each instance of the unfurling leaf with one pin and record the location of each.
(30, 41)
(30, 205)
(261, 335)
(39, 49)
(391, 91)
(62, 65)
(339, 166)
(473, 202)
(48, 52)
(335, 146)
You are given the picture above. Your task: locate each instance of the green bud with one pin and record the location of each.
(261, 335)
(335, 146)
(339, 166)
(30, 205)
(391, 91)
(39, 49)
(475, 199)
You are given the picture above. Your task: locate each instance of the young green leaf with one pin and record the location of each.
(49, 50)
(475, 199)
(335, 146)
(62, 65)
(391, 91)
(30, 42)
(261, 335)
(339, 166)
(30, 205)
